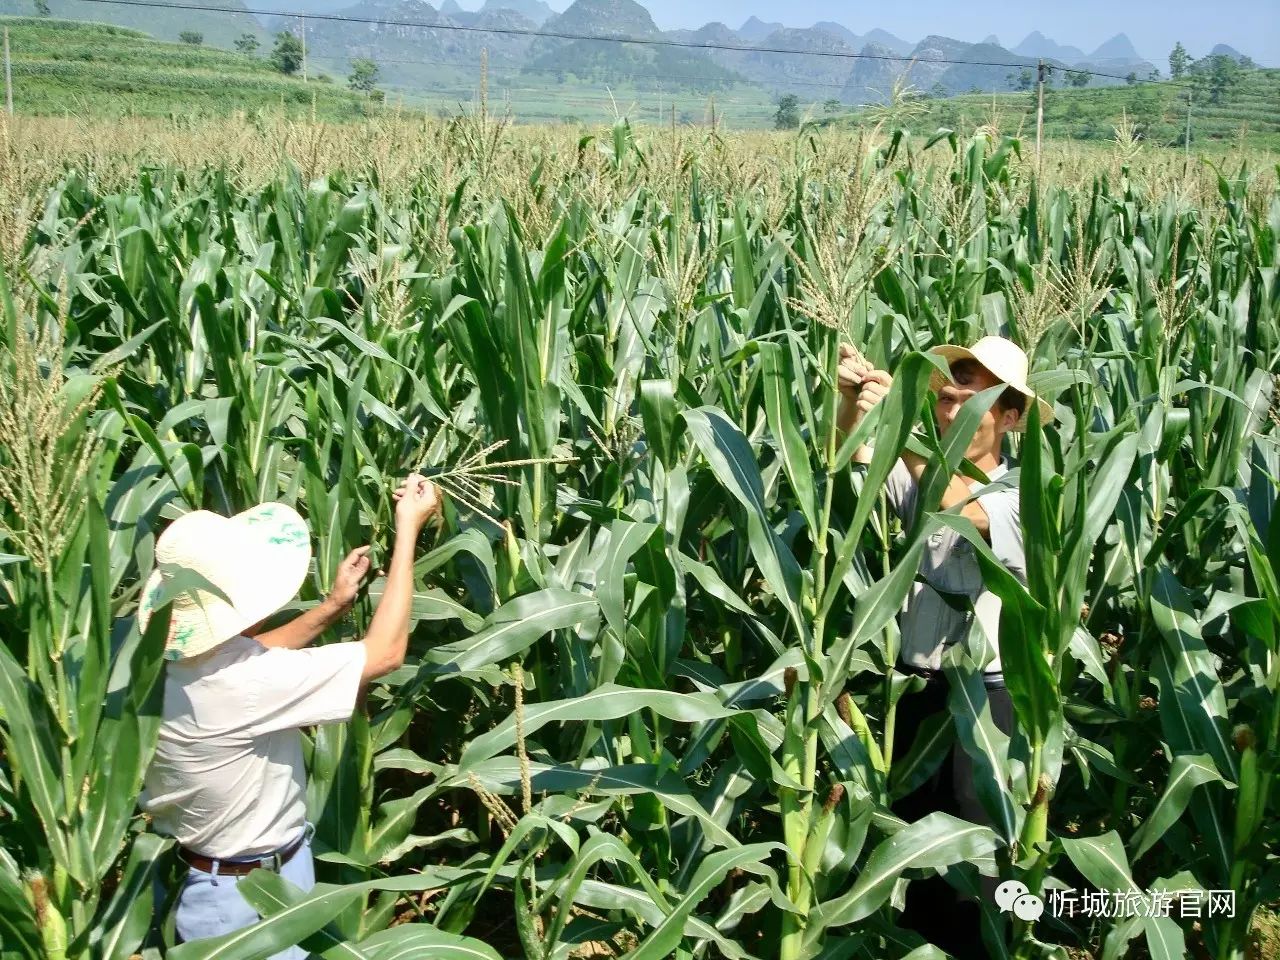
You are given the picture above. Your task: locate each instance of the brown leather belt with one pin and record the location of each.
(241, 866)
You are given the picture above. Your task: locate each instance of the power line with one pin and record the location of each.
(559, 35)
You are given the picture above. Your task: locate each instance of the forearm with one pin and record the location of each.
(304, 628)
(846, 420)
(388, 636)
(956, 492)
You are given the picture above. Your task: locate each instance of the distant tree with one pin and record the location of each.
(938, 91)
(1024, 80)
(788, 115)
(247, 44)
(1154, 75)
(1078, 78)
(1216, 76)
(832, 105)
(191, 37)
(1246, 63)
(286, 55)
(42, 7)
(1179, 62)
(1131, 79)
(364, 75)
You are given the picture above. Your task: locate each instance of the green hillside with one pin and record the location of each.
(1158, 111)
(218, 29)
(62, 66)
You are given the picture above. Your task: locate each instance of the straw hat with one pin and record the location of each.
(257, 559)
(1007, 363)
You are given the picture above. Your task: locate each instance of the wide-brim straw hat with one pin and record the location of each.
(1007, 363)
(256, 559)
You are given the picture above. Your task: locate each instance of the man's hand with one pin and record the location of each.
(303, 629)
(351, 573)
(417, 501)
(861, 388)
(851, 373)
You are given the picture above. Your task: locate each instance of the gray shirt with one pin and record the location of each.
(929, 622)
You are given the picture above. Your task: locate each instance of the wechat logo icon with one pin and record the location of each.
(1013, 896)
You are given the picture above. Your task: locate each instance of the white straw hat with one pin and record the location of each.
(1007, 363)
(257, 559)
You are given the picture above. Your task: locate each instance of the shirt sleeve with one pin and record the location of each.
(900, 490)
(300, 688)
(1004, 523)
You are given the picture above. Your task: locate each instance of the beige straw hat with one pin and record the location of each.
(1007, 363)
(257, 559)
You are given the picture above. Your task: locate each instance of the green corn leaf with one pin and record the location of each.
(734, 465)
(511, 628)
(934, 842)
(778, 380)
(1185, 774)
(608, 702)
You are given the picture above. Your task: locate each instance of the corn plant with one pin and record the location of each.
(651, 697)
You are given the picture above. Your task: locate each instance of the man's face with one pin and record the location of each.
(971, 377)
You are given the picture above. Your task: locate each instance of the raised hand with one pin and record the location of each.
(351, 573)
(851, 372)
(417, 501)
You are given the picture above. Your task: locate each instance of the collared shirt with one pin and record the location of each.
(931, 622)
(227, 779)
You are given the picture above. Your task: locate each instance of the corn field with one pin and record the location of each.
(649, 704)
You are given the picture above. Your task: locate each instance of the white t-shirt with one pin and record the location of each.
(929, 623)
(227, 779)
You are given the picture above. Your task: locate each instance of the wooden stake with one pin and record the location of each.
(8, 76)
(1039, 112)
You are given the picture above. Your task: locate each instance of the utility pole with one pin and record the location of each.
(1186, 143)
(1039, 112)
(304, 49)
(8, 76)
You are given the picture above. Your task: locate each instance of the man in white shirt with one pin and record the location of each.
(227, 780)
(949, 594)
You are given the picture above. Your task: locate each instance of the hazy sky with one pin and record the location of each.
(1251, 26)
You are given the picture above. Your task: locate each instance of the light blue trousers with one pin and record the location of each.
(210, 906)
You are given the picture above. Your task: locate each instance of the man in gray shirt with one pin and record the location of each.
(949, 594)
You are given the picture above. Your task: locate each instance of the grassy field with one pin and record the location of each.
(1157, 111)
(100, 71)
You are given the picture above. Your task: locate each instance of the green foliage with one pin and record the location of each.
(363, 76)
(650, 709)
(286, 53)
(1024, 79)
(191, 37)
(111, 71)
(1179, 61)
(1215, 76)
(247, 44)
(787, 116)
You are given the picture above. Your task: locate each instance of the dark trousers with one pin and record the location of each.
(933, 907)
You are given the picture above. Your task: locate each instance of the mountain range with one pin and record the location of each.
(841, 62)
